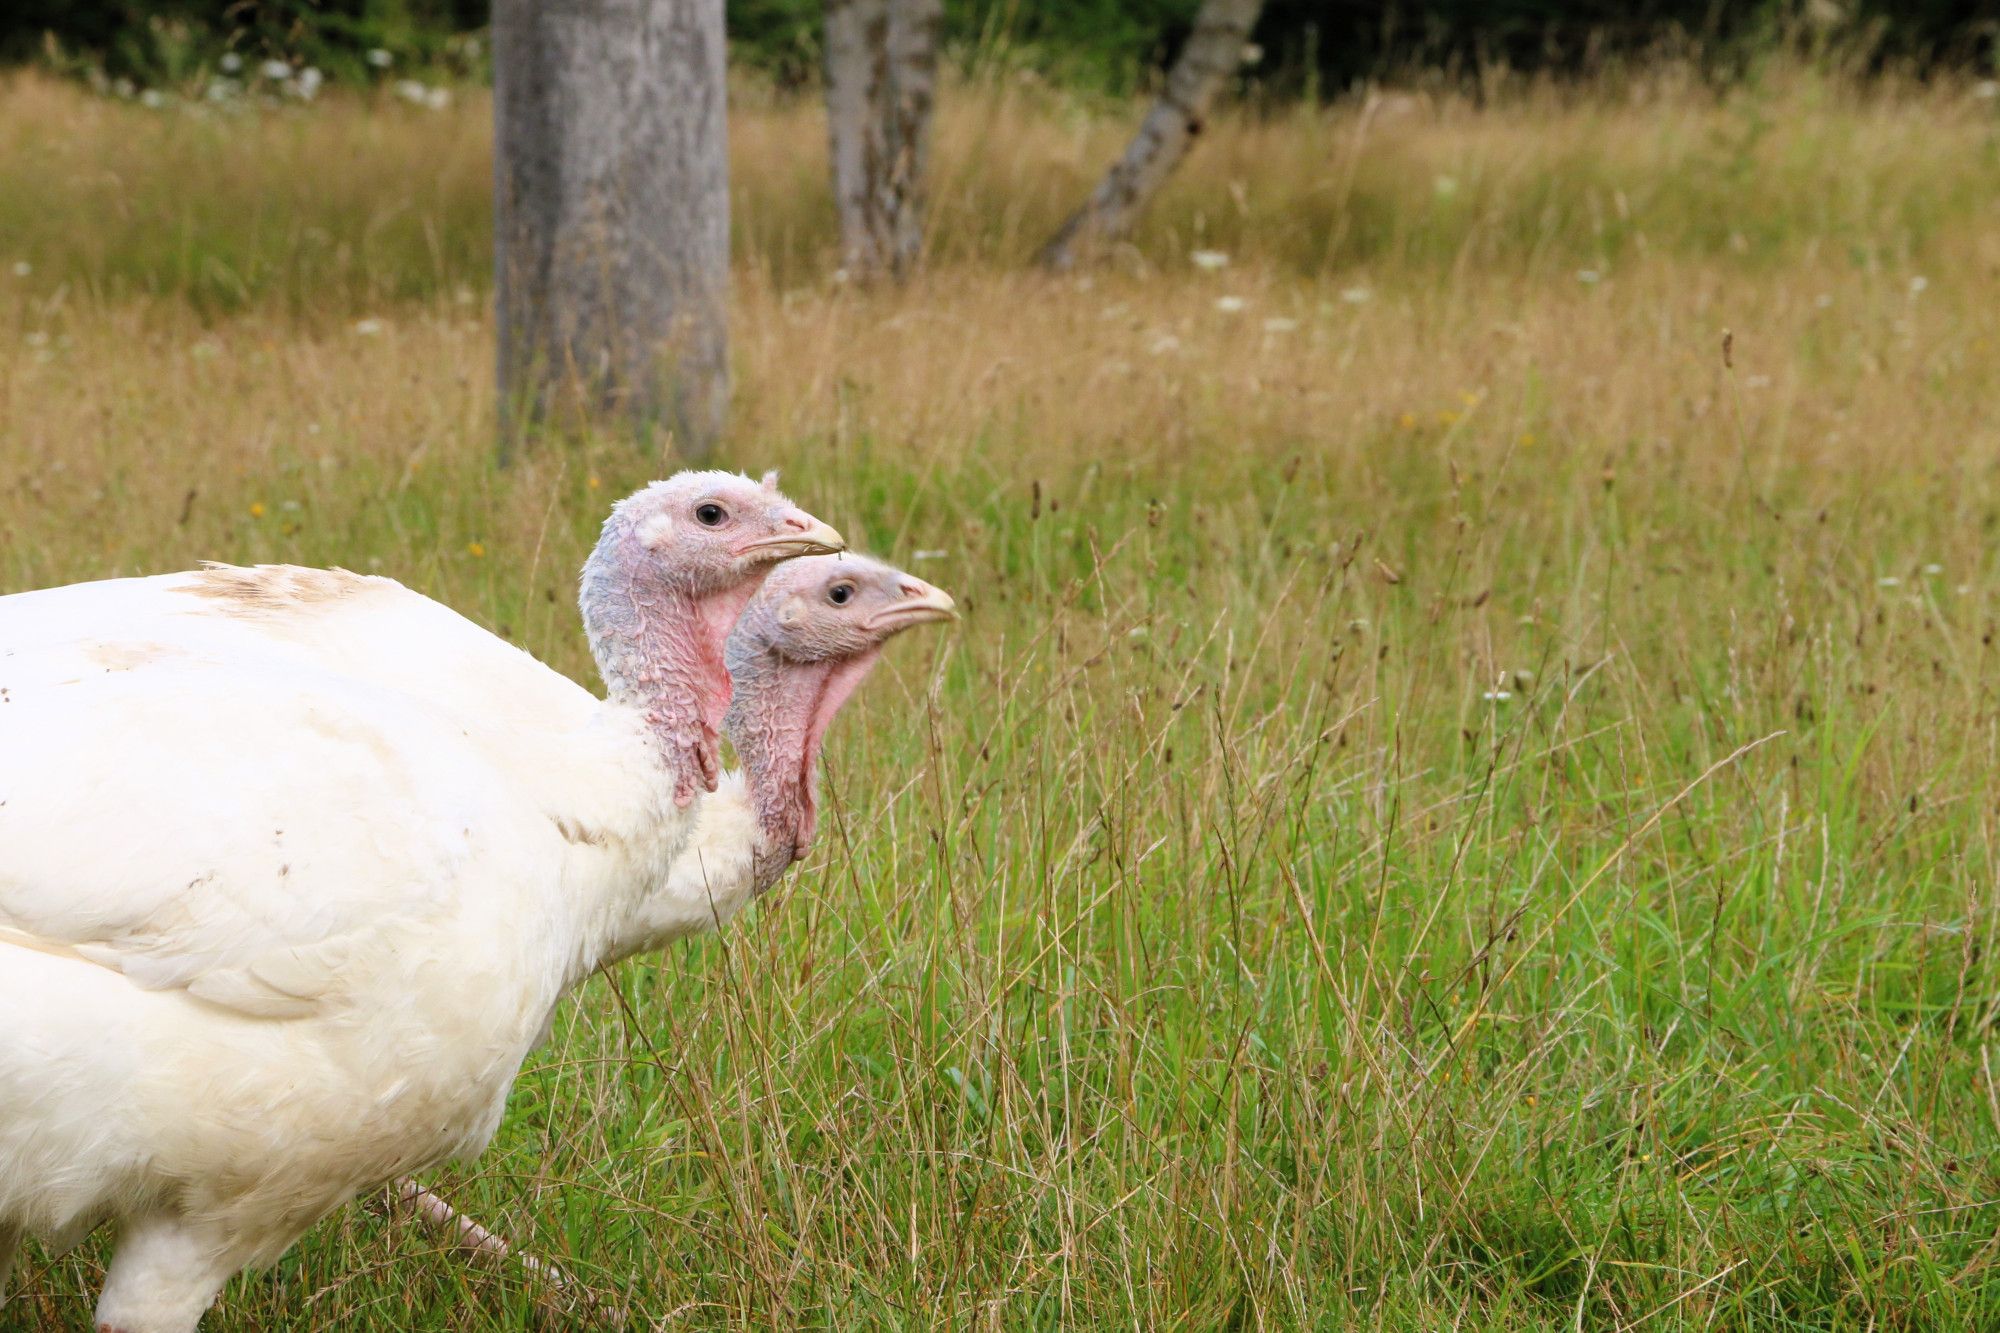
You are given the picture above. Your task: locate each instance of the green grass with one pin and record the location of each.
(1465, 811)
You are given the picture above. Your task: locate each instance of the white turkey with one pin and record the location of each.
(288, 890)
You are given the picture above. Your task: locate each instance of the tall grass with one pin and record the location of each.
(340, 208)
(1453, 804)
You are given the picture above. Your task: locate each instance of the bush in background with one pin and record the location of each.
(1306, 47)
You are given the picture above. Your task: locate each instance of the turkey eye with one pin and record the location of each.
(709, 515)
(840, 594)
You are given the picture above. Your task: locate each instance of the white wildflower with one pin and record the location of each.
(275, 70)
(1229, 305)
(1444, 187)
(22, 268)
(152, 99)
(1497, 696)
(380, 59)
(1986, 89)
(309, 82)
(230, 62)
(1918, 283)
(1280, 325)
(1164, 344)
(1888, 581)
(1357, 296)
(1209, 260)
(1933, 569)
(929, 555)
(1589, 276)
(368, 328)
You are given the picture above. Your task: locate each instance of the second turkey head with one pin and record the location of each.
(805, 640)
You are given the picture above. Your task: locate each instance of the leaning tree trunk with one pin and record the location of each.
(611, 215)
(1213, 51)
(881, 84)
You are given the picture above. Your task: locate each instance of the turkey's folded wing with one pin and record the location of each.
(362, 628)
(257, 834)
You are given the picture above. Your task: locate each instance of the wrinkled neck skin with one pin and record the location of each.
(658, 644)
(777, 721)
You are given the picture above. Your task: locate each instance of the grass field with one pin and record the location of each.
(1463, 797)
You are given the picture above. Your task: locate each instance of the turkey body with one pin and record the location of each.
(284, 905)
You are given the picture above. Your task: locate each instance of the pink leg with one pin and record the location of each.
(408, 1197)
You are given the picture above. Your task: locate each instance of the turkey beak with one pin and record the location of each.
(919, 604)
(800, 534)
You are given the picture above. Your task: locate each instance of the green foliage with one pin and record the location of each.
(172, 43)
(1116, 46)
(1109, 45)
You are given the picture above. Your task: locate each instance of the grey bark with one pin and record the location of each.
(1213, 52)
(881, 87)
(611, 215)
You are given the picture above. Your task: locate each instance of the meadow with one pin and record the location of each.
(1464, 793)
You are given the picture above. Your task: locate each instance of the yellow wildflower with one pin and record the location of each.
(257, 509)
(477, 550)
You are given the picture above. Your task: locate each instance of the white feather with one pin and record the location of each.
(297, 939)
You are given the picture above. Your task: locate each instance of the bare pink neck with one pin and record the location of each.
(777, 721)
(658, 644)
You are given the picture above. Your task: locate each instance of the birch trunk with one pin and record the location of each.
(881, 86)
(1213, 51)
(611, 215)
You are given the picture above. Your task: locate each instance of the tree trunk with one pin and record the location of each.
(611, 215)
(1213, 51)
(881, 85)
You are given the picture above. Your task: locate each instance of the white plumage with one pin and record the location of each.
(295, 865)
